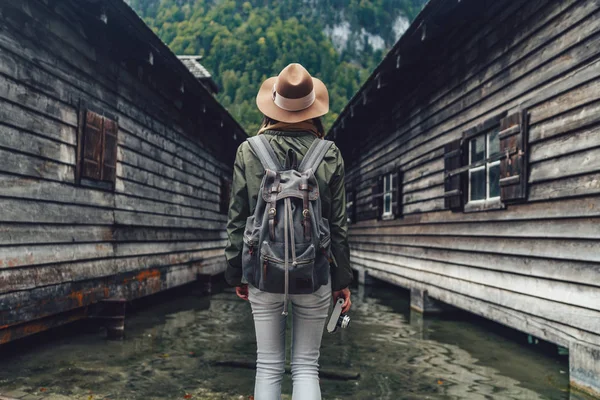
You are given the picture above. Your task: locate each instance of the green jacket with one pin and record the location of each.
(247, 176)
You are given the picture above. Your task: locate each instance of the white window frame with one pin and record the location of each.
(388, 194)
(486, 166)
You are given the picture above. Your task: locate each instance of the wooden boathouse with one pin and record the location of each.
(114, 163)
(473, 168)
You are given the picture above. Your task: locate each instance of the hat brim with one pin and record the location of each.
(266, 105)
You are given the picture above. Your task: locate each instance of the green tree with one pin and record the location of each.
(244, 42)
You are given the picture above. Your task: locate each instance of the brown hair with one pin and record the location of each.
(317, 121)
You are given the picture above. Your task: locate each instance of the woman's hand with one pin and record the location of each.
(345, 294)
(242, 292)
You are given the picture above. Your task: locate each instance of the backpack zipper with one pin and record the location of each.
(280, 261)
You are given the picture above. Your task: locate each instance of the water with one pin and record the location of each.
(171, 349)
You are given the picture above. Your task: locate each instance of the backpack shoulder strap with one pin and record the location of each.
(263, 150)
(315, 155)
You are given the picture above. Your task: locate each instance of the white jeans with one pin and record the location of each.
(309, 313)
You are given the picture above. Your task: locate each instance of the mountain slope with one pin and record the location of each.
(244, 42)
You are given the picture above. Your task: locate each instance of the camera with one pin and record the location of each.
(338, 320)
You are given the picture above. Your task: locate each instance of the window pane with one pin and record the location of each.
(386, 183)
(494, 143)
(478, 184)
(478, 149)
(387, 208)
(495, 180)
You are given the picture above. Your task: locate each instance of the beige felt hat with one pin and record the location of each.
(293, 96)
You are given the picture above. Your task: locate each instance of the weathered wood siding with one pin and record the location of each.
(63, 245)
(533, 266)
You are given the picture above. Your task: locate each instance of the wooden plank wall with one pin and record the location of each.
(533, 266)
(63, 246)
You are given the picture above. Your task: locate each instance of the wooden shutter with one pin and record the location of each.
(377, 197)
(453, 181)
(109, 159)
(513, 167)
(96, 146)
(397, 193)
(91, 163)
(225, 195)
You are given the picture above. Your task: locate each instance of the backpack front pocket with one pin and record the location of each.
(272, 268)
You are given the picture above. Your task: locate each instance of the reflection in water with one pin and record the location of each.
(171, 349)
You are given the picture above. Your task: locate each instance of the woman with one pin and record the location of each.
(292, 104)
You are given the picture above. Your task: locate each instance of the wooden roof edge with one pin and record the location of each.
(144, 33)
(416, 29)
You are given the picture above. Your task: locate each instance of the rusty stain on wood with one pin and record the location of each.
(64, 246)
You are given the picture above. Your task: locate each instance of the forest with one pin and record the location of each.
(244, 42)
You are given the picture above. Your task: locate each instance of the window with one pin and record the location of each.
(224, 195)
(351, 206)
(484, 162)
(387, 196)
(487, 167)
(388, 187)
(96, 149)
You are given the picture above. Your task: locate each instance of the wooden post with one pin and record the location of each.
(204, 285)
(113, 314)
(422, 303)
(419, 324)
(584, 368)
(363, 277)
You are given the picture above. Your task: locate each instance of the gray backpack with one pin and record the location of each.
(287, 241)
